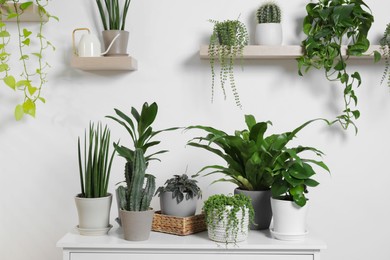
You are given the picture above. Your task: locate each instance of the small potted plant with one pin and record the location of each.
(94, 202)
(385, 48)
(268, 27)
(226, 44)
(228, 217)
(252, 158)
(179, 196)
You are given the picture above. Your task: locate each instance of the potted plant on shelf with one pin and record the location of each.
(179, 196)
(288, 194)
(94, 202)
(113, 17)
(139, 127)
(226, 44)
(228, 217)
(252, 158)
(327, 24)
(385, 48)
(30, 54)
(268, 27)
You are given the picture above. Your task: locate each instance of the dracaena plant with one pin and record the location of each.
(181, 186)
(29, 55)
(326, 24)
(253, 160)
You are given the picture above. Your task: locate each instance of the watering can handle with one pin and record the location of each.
(73, 38)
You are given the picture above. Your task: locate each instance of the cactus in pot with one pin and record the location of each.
(268, 28)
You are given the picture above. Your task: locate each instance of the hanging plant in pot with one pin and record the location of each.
(385, 48)
(179, 196)
(252, 160)
(289, 203)
(327, 24)
(94, 202)
(113, 16)
(228, 217)
(268, 27)
(226, 44)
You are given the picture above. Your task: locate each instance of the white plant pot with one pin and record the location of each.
(93, 213)
(220, 231)
(269, 34)
(169, 205)
(289, 220)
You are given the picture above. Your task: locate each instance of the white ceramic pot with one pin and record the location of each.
(269, 34)
(169, 205)
(94, 213)
(289, 220)
(220, 231)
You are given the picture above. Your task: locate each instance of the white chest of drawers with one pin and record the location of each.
(259, 246)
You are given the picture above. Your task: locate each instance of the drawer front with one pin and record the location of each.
(127, 256)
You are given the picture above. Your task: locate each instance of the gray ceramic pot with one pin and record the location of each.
(169, 206)
(119, 47)
(136, 224)
(262, 206)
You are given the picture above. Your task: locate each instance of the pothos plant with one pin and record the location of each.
(29, 55)
(327, 24)
(226, 44)
(385, 48)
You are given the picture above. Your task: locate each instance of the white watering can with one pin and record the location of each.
(89, 45)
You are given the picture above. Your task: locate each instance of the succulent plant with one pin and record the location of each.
(181, 185)
(269, 12)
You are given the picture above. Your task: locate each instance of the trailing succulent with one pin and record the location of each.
(385, 48)
(255, 161)
(181, 185)
(226, 44)
(326, 24)
(217, 206)
(269, 13)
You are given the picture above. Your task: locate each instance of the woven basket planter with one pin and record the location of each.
(181, 226)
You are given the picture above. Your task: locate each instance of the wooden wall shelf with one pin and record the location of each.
(31, 14)
(283, 52)
(109, 63)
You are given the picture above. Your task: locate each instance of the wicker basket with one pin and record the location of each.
(178, 225)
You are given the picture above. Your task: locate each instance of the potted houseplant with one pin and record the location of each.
(139, 128)
(226, 44)
(268, 27)
(252, 158)
(113, 16)
(327, 24)
(228, 217)
(179, 196)
(94, 202)
(32, 45)
(288, 194)
(385, 48)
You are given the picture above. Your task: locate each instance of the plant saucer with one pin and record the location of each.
(93, 231)
(288, 237)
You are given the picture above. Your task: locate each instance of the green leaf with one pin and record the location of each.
(24, 57)
(26, 33)
(23, 83)
(250, 121)
(3, 67)
(12, 15)
(19, 112)
(42, 100)
(26, 42)
(4, 34)
(311, 183)
(10, 82)
(25, 5)
(377, 56)
(31, 89)
(29, 107)
(37, 54)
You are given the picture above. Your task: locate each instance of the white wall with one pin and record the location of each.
(38, 158)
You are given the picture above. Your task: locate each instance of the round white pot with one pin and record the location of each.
(289, 220)
(136, 224)
(169, 205)
(94, 213)
(269, 34)
(220, 231)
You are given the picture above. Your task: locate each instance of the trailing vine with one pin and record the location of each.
(226, 44)
(32, 78)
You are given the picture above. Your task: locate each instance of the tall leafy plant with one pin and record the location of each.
(31, 47)
(95, 162)
(326, 24)
(113, 13)
(226, 44)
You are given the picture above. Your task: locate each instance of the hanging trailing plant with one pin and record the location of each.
(385, 48)
(226, 44)
(327, 23)
(30, 53)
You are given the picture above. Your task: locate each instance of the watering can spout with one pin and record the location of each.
(109, 46)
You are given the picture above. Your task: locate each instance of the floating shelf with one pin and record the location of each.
(31, 14)
(283, 52)
(109, 63)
